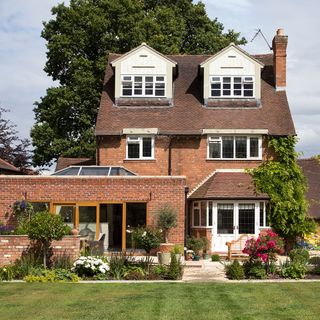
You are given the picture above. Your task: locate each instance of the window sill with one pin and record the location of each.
(129, 160)
(237, 159)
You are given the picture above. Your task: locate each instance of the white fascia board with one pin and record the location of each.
(234, 131)
(140, 131)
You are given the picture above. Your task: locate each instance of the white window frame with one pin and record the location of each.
(138, 139)
(243, 82)
(144, 95)
(215, 138)
(264, 222)
(197, 205)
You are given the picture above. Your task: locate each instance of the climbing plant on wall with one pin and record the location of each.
(282, 179)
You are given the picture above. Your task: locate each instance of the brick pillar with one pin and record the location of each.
(279, 46)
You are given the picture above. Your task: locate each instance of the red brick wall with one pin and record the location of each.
(189, 158)
(156, 191)
(12, 247)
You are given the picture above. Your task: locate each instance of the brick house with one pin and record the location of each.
(178, 129)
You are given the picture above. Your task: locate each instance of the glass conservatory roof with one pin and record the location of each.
(93, 171)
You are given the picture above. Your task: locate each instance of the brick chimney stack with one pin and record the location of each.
(279, 46)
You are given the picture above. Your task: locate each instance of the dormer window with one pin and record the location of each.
(143, 86)
(232, 86)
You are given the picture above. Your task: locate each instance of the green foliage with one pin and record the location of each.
(197, 244)
(175, 270)
(79, 38)
(299, 255)
(177, 249)
(44, 228)
(215, 257)
(146, 238)
(254, 269)
(293, 270)
(117, 265)
(166, 220)
(6, 273)
(62, 261)
(55, 275)
(282, 179)
(234, 271)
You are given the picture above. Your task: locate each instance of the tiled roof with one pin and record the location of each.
(311, 170)
(4, 165)
(227, 185)
(67, 162)
(188, 115)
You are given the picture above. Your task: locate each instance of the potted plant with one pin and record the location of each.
(177, 251)
(195, 244)
(205, 247)
(166, 220)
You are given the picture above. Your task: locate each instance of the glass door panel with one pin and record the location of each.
(87, 221)
(111, 225)
(68, 213)
(225, 219)
(136, 215)
(246, 218)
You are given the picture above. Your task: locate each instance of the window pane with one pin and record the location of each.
(241, 147)
(215, 79)
(216, 85)
(203, 214)
(261, 214)
(215, 93)
(67, 213)
(227, 147)
(237, 80)
(210, 214)
(159, 78)
(87, 221)
(149, 79)
(138, 79)
(133, 150)
(215, 149)
(246, 218)
(225, 218)
(159, 93)
(147, 147)
(226, 80)
(127, 92)
(254, 147)
(248, 93)
(237, 92)
(40, 206)
(226, 92)
(196, 217)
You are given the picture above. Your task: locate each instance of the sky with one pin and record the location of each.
(23, 55)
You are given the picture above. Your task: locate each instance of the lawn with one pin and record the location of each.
(160, 301)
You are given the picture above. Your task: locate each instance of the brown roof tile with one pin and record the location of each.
(188, 115)
(228, 185)
(4, 165)
(67, 162)
(311, 170)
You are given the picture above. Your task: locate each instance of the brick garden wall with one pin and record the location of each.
(12, 248)
(155, 191)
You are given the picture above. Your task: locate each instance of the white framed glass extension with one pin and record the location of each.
(228, 220)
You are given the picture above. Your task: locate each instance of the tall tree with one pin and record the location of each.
(79, 38)
(13, 149)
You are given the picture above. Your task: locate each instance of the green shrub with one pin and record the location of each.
(234, 271)
(195, 244)
(56, 275)
(160, 271)
(254, 269)
(215, 257)
(299, 255)
(293, 270)
(146, 238)
(7, 273)
(177, 249)
(28, 261)
(44, 228)
(175, 269)
(135, 273)
(118, 264)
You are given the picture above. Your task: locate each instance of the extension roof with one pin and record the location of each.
(188, 115)
(227, 185)
(311, 170)
(63, 162)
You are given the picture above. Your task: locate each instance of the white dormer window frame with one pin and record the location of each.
(140, 147)
(229, 86)
(234, 147)
(143, 86)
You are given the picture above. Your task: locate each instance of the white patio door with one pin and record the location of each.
(224, 225)
(231, 220)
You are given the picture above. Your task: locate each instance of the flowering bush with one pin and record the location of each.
(90, 266)
(6, 230)
(146, 238)
(265, 248)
